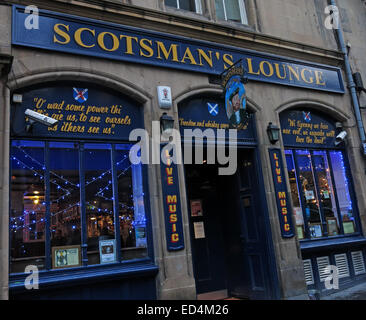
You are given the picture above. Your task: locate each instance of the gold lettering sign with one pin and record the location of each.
(82, 118)
(182, 54)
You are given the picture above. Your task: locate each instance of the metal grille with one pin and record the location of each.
(342, 265)
(322, 262)
(308, 270)
(358, 262)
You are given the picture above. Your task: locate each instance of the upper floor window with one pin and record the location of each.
(231, 10)
(189, 5)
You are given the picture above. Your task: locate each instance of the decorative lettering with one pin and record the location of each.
(281, 193)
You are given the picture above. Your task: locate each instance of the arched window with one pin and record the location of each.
(321, 188)
(75, 199)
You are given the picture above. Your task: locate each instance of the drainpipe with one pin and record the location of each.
(350, 82)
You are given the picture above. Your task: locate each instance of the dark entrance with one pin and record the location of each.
(232, 254)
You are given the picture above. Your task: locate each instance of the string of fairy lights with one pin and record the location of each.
(21, 223)
(337, 160)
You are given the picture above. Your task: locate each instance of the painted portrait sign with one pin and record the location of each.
(235, 97)
(217, 114)
(235, 103)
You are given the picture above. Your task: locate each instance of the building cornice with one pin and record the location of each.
(194, 28)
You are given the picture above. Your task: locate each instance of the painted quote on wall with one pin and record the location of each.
(307, 128)
(80, 111)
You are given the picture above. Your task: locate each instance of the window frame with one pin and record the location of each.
(83, 240)
(197, 4)
(301, 195)
(242, 9)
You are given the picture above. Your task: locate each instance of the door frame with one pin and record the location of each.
(274, 284)
(273, 280)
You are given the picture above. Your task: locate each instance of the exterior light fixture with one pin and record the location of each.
(273, 133)
(166, 124)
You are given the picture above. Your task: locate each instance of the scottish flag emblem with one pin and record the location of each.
(213, 108)
(307, 116)
(80, 95)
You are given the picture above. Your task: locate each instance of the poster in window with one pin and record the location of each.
(107, 251)
(348, 227)
(66, 257)
(315, 230)
(309, 195)
(298, 216)
(141, 237)
(196, 208)
(332, 227)
(199, 230)
(300, 232)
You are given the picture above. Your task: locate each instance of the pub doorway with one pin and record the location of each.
(228, 236)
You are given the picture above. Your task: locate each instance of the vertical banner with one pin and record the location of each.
(172, 207)
(283, 204)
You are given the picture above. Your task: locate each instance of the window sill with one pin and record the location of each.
(83, 275)
(331, 243)
(186, 13)
(236, 25)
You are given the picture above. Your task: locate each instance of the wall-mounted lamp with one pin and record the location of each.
(166, 124)
(273, 133)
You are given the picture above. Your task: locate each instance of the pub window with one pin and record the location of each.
(66, 183)
(231, 10)
(320, 191)
(189, 5)
(28, 210)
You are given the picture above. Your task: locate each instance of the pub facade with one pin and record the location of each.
(82, 210)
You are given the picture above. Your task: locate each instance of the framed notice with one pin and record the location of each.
(299, 218)
(332, 226)
(315, 230)
(66, 257)
(300, 232)
(196, 208)
(199, 230)
(309, 195)
(107, 251)
(348, 227)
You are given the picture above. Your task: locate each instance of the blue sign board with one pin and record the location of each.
(236, 102)
(307, 128)
(282, 199)
(82, 111)
(212, 114)
(172, 206)
(77, 35)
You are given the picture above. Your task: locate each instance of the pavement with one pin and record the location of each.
(357, 292)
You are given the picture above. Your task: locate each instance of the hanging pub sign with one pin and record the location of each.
(307, 128)
(172, 206)
(82, 111)
(282, 200)
(78, 35)
(232, 113)
(235, 97)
